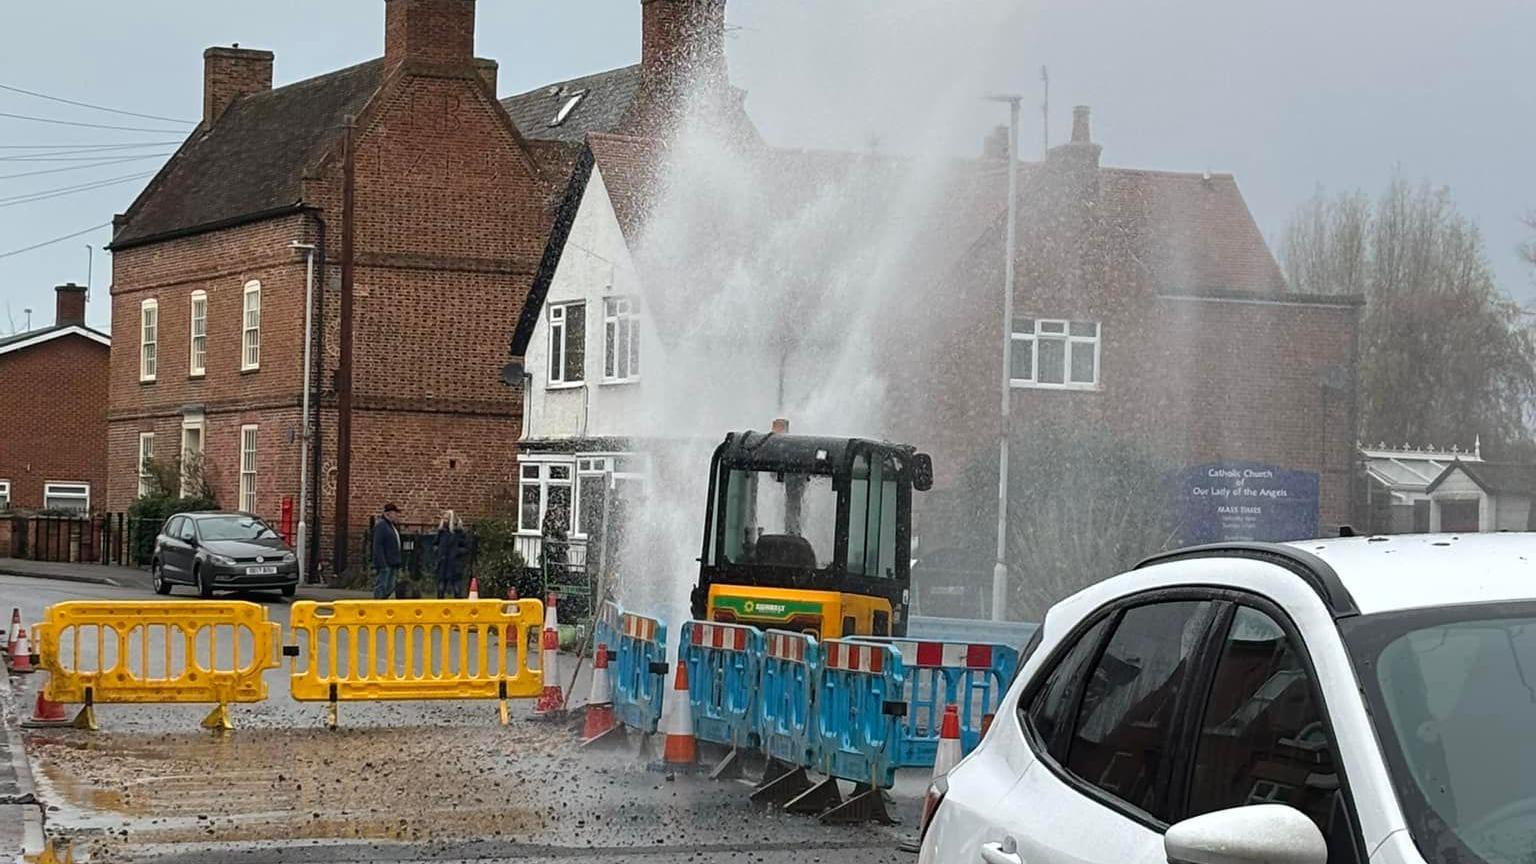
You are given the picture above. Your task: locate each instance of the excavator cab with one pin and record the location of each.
(810, 534)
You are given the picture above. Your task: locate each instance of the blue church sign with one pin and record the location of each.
(1246, 501)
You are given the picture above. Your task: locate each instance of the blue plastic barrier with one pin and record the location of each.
(855, 713)
(723, 662)
(605, 626)
(787, 692)
(641, 679)
(972, 676)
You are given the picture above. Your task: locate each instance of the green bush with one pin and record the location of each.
(147, 514)
(498, 565)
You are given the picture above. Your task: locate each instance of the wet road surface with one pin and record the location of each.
(438, 781)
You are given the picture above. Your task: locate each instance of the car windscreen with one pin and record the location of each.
(1453, 696)
(215, 528)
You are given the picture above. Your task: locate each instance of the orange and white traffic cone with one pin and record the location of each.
(20, 659)
(46, 712)
(600, 703)
(948, 754)
(474, 588)
(681, 749)
(10, 635)
(551, 701)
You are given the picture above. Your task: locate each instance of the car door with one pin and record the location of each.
(1260, 734)
(171, 559)
(1105, 727)
(186, 535)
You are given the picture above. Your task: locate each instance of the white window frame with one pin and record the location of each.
(250, 327)
(197, 342)
(189, 424)
(70, 490)
(248, 448)
(149, 340)
(541, 474)
(621, 328)
(5, 495)
(146, 453)
(1046, 329)
(559, 344)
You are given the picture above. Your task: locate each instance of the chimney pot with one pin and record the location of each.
(230, 73)
(437, 31)
(1081, 133)
(69, 305)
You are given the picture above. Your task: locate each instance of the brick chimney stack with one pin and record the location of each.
(436, 31)
(69, 305)
(683, 38)
(230, 73)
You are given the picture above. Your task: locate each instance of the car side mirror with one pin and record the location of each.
(192, 541)
(1268, 833)
(922, 472)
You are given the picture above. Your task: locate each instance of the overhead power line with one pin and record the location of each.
(70, 190)
(38, 95)
(95, 157)
(87, 125)
(83, 147)
(54, 240)
(97, 164)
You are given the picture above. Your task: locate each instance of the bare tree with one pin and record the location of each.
(1445, 356)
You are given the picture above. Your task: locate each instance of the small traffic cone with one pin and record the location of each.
(681, 749)
(948, 754)
(600, 702)
(551, 701)
(46, 712)
(10, 635)
(474, 588)
(20, 658)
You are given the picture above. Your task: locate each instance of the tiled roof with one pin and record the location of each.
(604, 107)
(25, 339)
(1495, 478)
(253, 159)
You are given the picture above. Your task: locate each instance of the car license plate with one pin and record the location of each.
(261, 571)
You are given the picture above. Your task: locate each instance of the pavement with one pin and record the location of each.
(399, 781)
(136, 577)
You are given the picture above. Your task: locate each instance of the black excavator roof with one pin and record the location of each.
(812, 454)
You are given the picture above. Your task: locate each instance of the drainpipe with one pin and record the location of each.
(341, 532)
(1000, 568)
(304, 434)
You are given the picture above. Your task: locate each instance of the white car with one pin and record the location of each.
(1376, 696)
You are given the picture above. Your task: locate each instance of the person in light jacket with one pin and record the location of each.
(386, 553)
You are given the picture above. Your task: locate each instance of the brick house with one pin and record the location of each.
(453, 199)
(1147, 309)
(53, 396)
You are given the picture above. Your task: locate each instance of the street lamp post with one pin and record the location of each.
(1000, 568)
(305, 436)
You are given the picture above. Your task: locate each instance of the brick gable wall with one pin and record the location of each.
(60, 435)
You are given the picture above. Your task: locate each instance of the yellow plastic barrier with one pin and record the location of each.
(157, 652)
(381, 650)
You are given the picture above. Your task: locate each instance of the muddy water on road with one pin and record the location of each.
(411, 784)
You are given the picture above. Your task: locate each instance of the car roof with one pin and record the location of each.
(1412, 571)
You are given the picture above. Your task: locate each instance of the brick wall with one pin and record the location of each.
(53, 397)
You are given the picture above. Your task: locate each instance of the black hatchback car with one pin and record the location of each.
(222, 551)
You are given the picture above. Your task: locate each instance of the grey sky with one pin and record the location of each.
(1285, 95)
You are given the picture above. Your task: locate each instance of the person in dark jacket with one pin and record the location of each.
(450, 555)
(386, 553)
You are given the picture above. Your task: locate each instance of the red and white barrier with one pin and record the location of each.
(853, 657)
(950, 655)
(727, 637)
(786, 646)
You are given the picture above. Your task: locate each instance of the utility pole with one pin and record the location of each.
(342, 533)
(1000, 569)
(306, 436)
(90, 268)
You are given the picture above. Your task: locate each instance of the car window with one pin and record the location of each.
(172, 527)
(1262, 737)
(1053, 703)
(1123, 726)
(188, 529)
